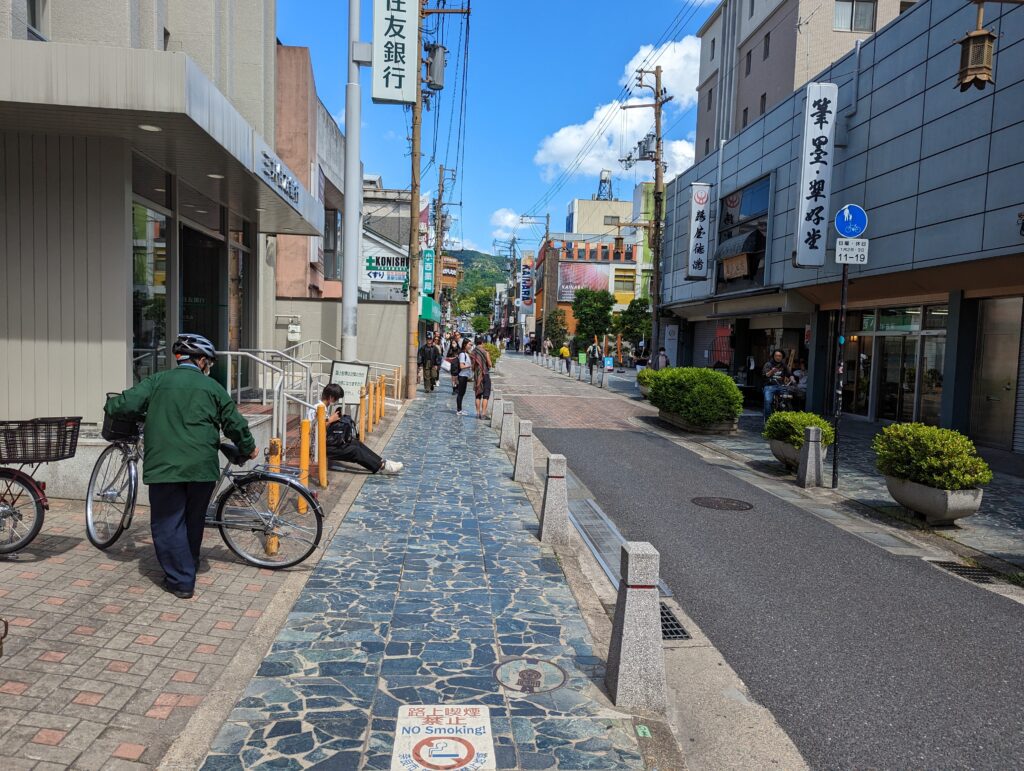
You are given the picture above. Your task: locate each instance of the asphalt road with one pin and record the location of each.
(866, 659)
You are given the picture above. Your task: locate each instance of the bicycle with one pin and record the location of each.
(262, 513)
(23, 501)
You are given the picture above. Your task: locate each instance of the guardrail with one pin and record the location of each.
(234, 360)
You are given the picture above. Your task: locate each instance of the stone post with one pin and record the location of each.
(495, 397)
(524, 453)
(554, 513)
(811, 471)
(497, 413)
(636, 660)
(507, 439)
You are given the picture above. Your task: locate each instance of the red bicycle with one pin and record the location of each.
(29, 444)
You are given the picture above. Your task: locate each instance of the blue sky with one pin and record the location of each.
(541, 75)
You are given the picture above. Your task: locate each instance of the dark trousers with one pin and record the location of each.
(429, 377)
(177, 512)
(358, 453)
(461, 392)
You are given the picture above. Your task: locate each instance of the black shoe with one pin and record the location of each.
(181, 594)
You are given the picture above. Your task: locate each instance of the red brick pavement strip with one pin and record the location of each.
(551, 400)
(102, 668)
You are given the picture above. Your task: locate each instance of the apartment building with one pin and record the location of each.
(754, 53)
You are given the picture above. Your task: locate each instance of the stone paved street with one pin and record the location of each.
(434, 578)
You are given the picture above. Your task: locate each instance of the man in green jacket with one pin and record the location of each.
(185, 413)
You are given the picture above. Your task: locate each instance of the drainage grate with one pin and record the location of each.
(977, 575)
(722, 504)
(671, 629)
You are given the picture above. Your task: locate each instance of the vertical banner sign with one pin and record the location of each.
(427, 271)
(526, 284)
(816, 161)
(697, 262)
(395, 57)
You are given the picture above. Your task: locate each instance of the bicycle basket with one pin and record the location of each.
(119, 429)
(41, 440)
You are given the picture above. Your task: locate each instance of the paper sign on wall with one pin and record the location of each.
(700, 206)
(816, 161)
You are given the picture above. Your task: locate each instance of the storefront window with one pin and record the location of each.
(332, 252)
(740, 252)
(935, 317)
(899, 320)
(932, 362)
(149, 291)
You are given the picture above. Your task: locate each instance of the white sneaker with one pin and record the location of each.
(391, 467)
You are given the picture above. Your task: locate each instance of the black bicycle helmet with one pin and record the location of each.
(189, 346)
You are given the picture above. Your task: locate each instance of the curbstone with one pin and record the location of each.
(811, 471)
(507, 439)
(554, 512)
(524, 453)
(635, 676)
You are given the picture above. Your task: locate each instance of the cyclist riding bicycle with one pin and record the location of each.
(185, 413)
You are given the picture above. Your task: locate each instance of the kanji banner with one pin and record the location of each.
(816, 161)
(395, 57)
(697, 256)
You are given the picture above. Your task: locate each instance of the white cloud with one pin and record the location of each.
(462, 243)
(505, 221)
(680, 62)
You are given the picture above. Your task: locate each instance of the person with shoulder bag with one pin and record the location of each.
(465, 372)
(481, 378)
(342, 442)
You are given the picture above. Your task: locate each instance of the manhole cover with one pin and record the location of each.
(722, 504)
(530, 675)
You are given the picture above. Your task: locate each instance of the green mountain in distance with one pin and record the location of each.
(480, 270)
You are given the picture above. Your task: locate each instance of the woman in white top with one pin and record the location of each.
(465, 373)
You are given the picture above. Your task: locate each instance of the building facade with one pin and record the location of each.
(934, 328)
(139, 191)
(753, 53)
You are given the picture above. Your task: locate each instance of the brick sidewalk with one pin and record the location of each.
(102, 669)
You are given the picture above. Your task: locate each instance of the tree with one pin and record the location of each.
(554, 327)
(593, 311)
(634, 323)
(480, 324)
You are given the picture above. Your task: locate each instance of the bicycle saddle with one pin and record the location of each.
(231, 452)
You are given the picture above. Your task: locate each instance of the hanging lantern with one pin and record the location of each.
(976, 50)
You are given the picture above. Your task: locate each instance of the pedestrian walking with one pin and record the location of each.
(454, 350)
(429, 358)
(185, 413)
(342, 443)
(481, 378)
(465, 372)
(593, 356)
(563, 353)
(660, 361)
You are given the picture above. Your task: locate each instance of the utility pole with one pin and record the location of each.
(439, 221)
(413, 317)
(527, 219)
(660, 100)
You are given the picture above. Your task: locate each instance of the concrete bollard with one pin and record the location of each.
(554, 513)
(497, 413)
(507, 439)
(495, 397)
(811, 471)
(524, 453)
(636, 659)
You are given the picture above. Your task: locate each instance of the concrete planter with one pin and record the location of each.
(715, 428)
(939, 507)
(787, 454)
(645, 391)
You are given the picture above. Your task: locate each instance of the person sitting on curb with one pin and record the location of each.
(342, 444)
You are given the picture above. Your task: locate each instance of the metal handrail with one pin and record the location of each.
(321, 343)
(284, 434)
(275, 414)
(296, 362)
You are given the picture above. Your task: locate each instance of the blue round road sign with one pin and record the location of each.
(851, 221)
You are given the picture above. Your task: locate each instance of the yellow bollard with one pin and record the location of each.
(362, 414)
(383, 396)
(321, 443)
(272, 543)
(304, 460)
(370, 397)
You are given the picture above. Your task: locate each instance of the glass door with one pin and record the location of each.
(857, 375)
(898, 378)
(995, 372)
(933, 359)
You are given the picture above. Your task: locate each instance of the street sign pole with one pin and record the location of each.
(840, 359)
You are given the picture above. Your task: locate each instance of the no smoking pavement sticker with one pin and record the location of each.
(443, 738)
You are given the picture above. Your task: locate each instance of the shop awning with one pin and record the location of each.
(163, 105)
(748, 243)
(430, 310)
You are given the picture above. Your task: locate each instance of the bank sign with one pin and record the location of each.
(816, 160)
(395, 57)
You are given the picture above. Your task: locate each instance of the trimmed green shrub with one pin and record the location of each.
(698, 395)
(789, 427)
(646, 376)
(492, 349)
(936, 457)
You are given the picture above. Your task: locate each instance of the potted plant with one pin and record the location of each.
(697, 399)
(644, 378)
(932, 471)
(785, 434)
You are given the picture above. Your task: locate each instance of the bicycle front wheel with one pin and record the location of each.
(269, 520)
(21, 512)
(110, 498)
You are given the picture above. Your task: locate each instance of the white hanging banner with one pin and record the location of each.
(395, 57)
(816, 161)
(697, 256)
